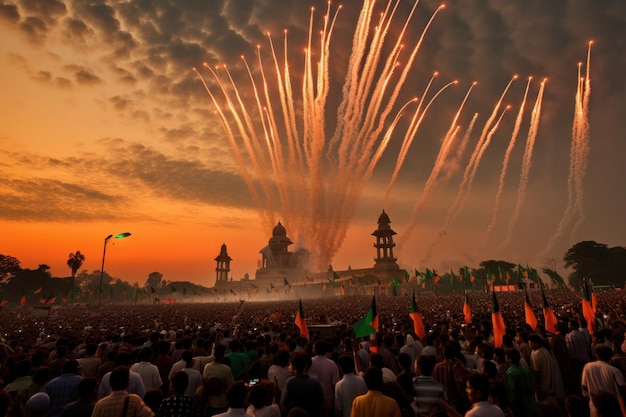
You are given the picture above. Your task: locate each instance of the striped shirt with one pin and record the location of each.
(428, 392)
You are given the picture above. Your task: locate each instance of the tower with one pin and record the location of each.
(384, 244)
(223, 265)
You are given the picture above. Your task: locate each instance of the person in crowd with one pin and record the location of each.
(218, 377)
(261, 401)
(301, 390)
(327, 373)
(374, 403)
(179, 404)
(236, 396)
(87, 389)
(64, 388)
(149, 373)
(601, 377)
(428, 392)
(120, 402)
(521, 386)
(348, 387)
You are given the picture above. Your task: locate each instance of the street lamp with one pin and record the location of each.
(104, 252)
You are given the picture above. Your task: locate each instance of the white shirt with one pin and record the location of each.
(346, 390)
(149, 374)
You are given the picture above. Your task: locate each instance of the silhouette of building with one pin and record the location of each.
(281, 271)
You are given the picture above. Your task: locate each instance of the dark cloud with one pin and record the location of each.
(85, 77)
(49, 10)
(9, 12)
(35, 29)
(124, 75)
(76, 31)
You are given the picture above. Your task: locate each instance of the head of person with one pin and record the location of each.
(187, 356)
(535, 341)
(71, 367)
(404, 360)
(87, 389)
(373, 378)
(146, 354)
(513, 356)
(577, 406)
(37, 405)
(477, 388)
(282, 358)
(153, 398)
(424, 365)
(346, 364)
(180, 381)
(258, 396)
(604, 353)
(236, 395)
(321, 347)
(220, 351)
(119, 378)
(377, 361)
(299, 363)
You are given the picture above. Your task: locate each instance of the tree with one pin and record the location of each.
(154, 279)
(75, 261)
(9, 267)
(597, 262)
(498, 269)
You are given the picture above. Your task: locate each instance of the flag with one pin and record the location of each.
(309, 279)
(467, 310)
(3, 303)
(301, 323)
(587, 308)
(37, 291)
(42, 299)
(508, 277)
(418, 324)
(548, 315)
(343, 289)
(238, 311)
(285, 282)
(429, 275)
(173, 289)
(51, 299)
(407, 277)
(335, 275)
(436, 278)
(497, 321)
(369, 324)
(531, 319)
(23, 298)
(233, 292)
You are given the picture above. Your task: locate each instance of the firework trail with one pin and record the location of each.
(452, 164)
(579, 151)
(281, 142)
(505, 166)
(466, 183)
(470, 170)
(410, 135)
(526, 164)
(432, 182)
(583, 139)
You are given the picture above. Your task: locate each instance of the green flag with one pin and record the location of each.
(363, 327)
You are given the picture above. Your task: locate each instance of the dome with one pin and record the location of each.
(279, 230)
(383, 218)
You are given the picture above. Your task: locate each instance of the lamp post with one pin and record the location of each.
(104, 252)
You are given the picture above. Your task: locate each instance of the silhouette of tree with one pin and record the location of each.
(597, 262)
(75, 261)
(9, 267)
(154, 279)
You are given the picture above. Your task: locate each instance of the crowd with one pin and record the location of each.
(249, 357)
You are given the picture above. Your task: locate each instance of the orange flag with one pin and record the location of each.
(531, 319)
(301, 323)
(548, 315)
(467, 311)
(497, 321)
(418, 324)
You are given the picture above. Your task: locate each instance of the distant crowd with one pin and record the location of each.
(249, 358)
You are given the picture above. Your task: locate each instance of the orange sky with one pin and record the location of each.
(106, 129)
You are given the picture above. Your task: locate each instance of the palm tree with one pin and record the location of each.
(75, 261)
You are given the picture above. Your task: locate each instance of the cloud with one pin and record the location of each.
(9, 12)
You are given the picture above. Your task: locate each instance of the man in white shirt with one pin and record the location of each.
(348, 388)
(149, 373)
(600, 376)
